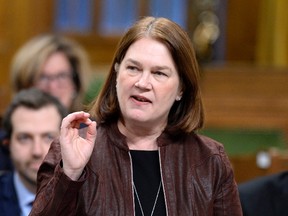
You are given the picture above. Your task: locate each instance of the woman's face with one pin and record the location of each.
(55, 78)
(147, 83)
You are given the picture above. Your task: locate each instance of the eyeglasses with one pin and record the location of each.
(60, 78)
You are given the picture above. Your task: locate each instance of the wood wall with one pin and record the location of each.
(246, 96)
(252, 98)
(241, 30)
(19, 21)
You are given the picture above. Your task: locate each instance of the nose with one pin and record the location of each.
(50, 87)
(38, 148)
(144, 81)
(53, 84)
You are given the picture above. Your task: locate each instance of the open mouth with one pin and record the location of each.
(141, 99)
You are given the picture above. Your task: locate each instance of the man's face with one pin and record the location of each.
(32, 134)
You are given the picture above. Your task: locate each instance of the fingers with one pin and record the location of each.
(71, 123)
(73, 120)
(70, 126)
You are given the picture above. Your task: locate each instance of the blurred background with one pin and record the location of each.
(241, 46)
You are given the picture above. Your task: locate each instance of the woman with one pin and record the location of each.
(54, 64)
(144, 157)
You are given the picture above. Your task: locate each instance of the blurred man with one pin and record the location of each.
(265, 196)
(31, 122)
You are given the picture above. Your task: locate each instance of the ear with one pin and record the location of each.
(116, 67)
(179, 95)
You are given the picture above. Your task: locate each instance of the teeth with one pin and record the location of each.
(140, 99)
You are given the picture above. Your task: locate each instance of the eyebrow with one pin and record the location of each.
(133, 62)
(156, 67)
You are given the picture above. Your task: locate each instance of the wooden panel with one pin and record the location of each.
(278, 162)
(19, 21)
(241, 31)
(245, 97)
(100, 49)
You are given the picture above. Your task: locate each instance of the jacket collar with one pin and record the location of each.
(118, 139)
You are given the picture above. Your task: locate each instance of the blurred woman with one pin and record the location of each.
(54, 64)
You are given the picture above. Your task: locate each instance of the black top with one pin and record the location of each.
(147, 178)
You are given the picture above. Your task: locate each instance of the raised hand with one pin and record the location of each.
(75, 149)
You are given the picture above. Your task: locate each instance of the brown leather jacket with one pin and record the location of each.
(196, 175)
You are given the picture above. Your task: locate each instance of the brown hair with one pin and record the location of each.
(185, 115)
(27, 63)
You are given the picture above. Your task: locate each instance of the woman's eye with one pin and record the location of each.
(159, 73)
(132, 68)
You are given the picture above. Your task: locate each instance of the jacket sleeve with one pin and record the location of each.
(56, 194)
(227, 201)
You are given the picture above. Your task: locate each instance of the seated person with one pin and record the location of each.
(31, 122)
(55, 64)
(265, 196)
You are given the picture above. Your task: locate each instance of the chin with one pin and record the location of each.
(137, 118)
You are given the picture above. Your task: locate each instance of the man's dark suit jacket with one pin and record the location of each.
(265, 196)
(5, 161)
(9, 205)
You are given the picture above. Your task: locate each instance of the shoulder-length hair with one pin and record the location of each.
(185, 115)
(29, 59)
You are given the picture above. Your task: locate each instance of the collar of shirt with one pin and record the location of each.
(25, 197)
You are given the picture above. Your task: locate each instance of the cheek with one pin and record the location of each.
(167, 93)
(70, 87)
(122, 86)
(18, 152)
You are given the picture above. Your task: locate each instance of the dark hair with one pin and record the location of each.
(30, 98)
(185, 115)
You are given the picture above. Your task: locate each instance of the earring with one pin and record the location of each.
(178, 98)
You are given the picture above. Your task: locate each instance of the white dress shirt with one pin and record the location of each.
(25, 197)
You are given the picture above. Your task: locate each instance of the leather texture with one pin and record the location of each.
(197, 179)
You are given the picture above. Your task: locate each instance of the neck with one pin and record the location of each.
(31, 186)
(140, 138)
